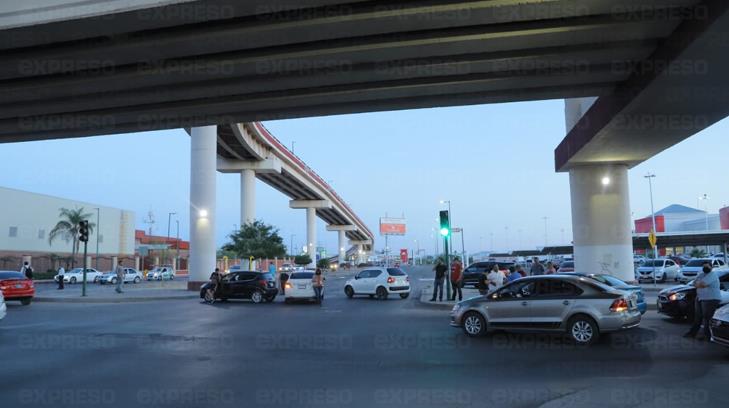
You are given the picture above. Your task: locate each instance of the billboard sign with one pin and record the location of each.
(404, 256)
(392, 226)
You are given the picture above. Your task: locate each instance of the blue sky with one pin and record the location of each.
(494, 162)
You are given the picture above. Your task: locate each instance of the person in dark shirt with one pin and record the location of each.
(440, 270)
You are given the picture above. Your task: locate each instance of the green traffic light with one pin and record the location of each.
(445, 232)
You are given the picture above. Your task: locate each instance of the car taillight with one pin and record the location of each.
(390, 280)
(288, 286)
(619, 305)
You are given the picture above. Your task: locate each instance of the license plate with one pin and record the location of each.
(302, 286)
(18, 286)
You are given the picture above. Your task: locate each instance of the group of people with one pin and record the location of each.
(488, 281)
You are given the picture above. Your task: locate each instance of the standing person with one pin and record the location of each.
(27, 270)
(119, 276)
(61, 274)
(213, 292)
(537, 268)
(551, 270)
(440, 271)
(514, 274)
(457, 279)
(520, 271)
(317, 281)
(495, 278)
(283, 278)
(708, 296)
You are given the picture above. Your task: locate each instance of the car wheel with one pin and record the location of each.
(137, 280)
(663, 278)
(172, 277)
(257, 296)
(114, 281)
(25, 302)
(372, 296)
(73, 280)
(209, 296)
(349, 291)
(381, 293)
(404, 295)
(583, 330)
(474, 324)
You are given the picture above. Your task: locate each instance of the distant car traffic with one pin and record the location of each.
(15, 286)
(566, 266)
(130, 275)
(77, 275)
(287, 267)
(256, 286)
(161, 273)
(720, 326)
(300, 287)
(694, 266)
(578, 306)
(678, 301)
(379, 282)
(664, 269)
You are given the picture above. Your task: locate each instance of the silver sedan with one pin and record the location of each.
(578, 306)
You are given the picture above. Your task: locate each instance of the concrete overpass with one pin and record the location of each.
(652, 68)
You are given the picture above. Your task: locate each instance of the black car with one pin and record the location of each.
(256, 286)
(678, 301)
(472, 273)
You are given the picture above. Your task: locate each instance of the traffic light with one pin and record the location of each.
(83, 231)
(445, 224)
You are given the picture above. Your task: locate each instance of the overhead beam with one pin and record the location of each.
(268, 165)
(300, 204)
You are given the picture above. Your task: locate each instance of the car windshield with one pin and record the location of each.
(76, 270)
(658, 262)
(395, 272)
(302, 275)
(11, 275)
(696, 262)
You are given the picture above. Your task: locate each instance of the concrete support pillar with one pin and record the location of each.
(114, 262)
(601, 220)
(341, 246)
(156, 261)
(311, 234)
(202, 204)
(247, 196)
(88, 261)
(136, 263)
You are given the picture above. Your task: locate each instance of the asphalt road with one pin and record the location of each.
(346, 353)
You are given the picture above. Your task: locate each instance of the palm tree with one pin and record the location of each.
(67, 228)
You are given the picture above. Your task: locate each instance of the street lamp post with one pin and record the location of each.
(98, 222)
(705, 198)
(650, 177)
(177, 246)
(291, 244)
(169, 220)
(546, 237)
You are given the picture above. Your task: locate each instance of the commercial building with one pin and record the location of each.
(28, 218)
(680, 218)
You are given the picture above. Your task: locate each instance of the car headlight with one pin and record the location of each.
(677, 296)
(456, 307)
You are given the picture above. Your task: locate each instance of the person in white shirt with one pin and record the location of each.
(495, 278)
(61, 273)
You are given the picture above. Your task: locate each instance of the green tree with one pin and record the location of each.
(698, 253)
(323, 264)
(67, 228)
(256, 239)
(302, 259)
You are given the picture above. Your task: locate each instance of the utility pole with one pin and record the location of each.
(650, 177)
(291, 245)
(98, 230)
(546, 237)
(177, 246)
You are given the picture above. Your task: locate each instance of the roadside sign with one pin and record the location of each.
(652, 239)
(456, 229)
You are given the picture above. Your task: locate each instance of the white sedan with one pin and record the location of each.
(77, 275)
(300, 287)
(379, 282)
(130, 275)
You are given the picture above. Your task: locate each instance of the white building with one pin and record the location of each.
(27, 219)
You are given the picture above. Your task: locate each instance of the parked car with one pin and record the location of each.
(472, 273)
(679, 259)
(379, 282)
(161, 273)
(694, 266)
(664, 269)
(256, 286)
(720, 326)
(15, 286)
(287, 267)
(130, 275)
(566, 266)
(678, 301)
(3, 308)
(579, 306)
(299, 287)
(77, 275)
(616, 283)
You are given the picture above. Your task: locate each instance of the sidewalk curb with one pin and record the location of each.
(112, 300)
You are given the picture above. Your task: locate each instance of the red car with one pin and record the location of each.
(15, 286)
